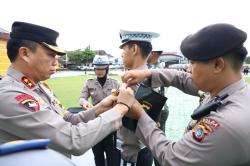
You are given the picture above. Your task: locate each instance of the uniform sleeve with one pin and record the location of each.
(215, 148)
(83, 116)
(85, 93)
(116, 84)
(17, 120)
(178, 79)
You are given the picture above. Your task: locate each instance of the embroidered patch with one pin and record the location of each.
(26, 81)
(205, 127)
(28, 102)
(199, 133)
(31, 105)
(23, 97)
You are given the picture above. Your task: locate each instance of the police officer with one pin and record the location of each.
(153, 63)
(221, 133)
(98, 88)
(28, 109)
(136, 48)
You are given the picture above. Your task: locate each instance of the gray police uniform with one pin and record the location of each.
(131, 144)
(220, 138)
(29, 111)
(96, 91)
(165, 111)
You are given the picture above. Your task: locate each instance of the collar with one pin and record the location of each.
(20, 77)
(106, 82)
(230, 89)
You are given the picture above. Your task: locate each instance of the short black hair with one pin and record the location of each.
(145, 47)
(236, 57)
(13, 46)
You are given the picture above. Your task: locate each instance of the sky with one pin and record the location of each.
(97, 22)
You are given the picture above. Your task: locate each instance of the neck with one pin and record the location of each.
(21, 67)
(139, 61)
(102, 80)
(224, 81)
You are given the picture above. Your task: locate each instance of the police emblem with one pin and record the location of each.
(204, 127)
(28, 102)
(199, 133)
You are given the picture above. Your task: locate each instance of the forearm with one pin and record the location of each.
(65, 137)
(82, 100)
(178, 79)
(151, 136)
(84, 95)
(83, 116)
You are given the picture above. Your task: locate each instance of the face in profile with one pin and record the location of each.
(42, 63)
(127, 56)
(202, 74)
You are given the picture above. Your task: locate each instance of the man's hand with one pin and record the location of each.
(106, 104)
(133, 77)
(136, 111)
(86, 105)
(125, 99)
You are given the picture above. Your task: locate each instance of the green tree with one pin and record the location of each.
(79, 57)
(88, 55)
(75, 57)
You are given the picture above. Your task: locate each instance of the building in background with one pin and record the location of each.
(4, 61)
(115, 62)
(173, 60)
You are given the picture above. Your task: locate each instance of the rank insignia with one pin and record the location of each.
(205, 127)
(28, 102)
(26, 81)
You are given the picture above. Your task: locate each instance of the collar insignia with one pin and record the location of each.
(26, 81)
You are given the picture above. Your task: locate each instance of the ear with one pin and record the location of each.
(135, 49)
(219, 65)
(24, 53)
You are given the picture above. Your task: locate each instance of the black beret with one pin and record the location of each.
(36, 33)
(213, 41)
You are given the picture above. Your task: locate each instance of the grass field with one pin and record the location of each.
(68, 89)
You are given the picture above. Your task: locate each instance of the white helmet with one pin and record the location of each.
(101, 61)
